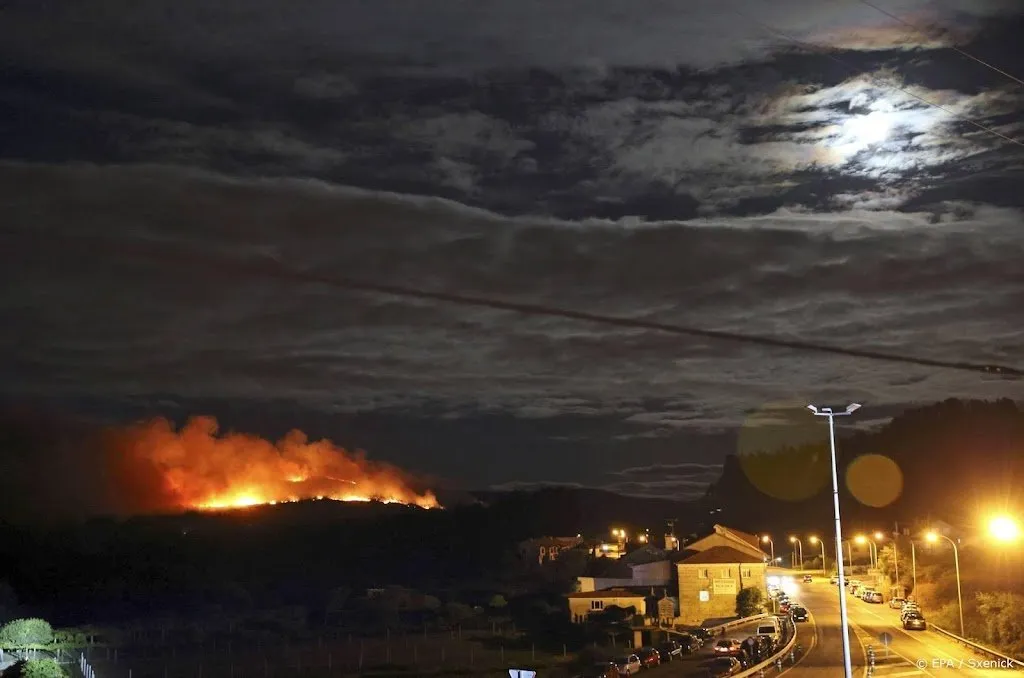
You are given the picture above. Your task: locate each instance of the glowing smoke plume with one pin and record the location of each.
(195, 467)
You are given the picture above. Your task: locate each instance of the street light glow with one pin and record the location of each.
(1004, 528)
(792, 540)
(879, 536)
(860, 539)
(765, 539)
(813, 540)
(932, 537)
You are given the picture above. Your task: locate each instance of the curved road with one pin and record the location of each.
(911, 654)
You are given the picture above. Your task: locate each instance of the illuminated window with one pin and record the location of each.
(597, 605)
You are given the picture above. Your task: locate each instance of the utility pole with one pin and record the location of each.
(896, 555)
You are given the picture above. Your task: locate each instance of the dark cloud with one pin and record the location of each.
(678, 164)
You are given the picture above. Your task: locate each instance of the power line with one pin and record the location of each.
(270, 268)
(824, 51)
(951, 46)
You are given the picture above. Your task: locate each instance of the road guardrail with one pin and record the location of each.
(779, 656)
(980, 649)
(740, 622)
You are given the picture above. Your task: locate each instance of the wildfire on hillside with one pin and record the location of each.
(197, 468)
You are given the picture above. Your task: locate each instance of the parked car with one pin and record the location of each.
(834, 580)
(896, 603)
(649, 657)
(702, 635)
(724, 666)
(727, 647)
(798, 613)
(874, 597)
(771, 631)
(914, 620)
(785, 607)
(627, 665)
(601, 670)
(689, 643)
(670, 650)
(808, 579)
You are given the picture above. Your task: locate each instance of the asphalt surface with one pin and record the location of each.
(910, 654)
(696, 664)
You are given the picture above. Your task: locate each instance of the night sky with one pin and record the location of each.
(798, 169)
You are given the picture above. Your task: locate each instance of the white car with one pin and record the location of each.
(627, 665)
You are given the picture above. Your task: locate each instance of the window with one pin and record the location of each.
(597, 605)
(703, 573)
(543, 550)
(727, 573)
(746, 572)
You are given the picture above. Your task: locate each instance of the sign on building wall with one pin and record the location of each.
(705, 596)
(723, 586)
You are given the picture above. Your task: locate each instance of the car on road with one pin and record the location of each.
(785, 607)
(808, 579)
(834, 580)
(671, 650)
(896, 603)
(728, 647)
(627, 665)
(724, 666)
(798, 613)
(915, 621)
(600, 670)
(874, 597)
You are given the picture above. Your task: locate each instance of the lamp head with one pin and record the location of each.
(931, 537)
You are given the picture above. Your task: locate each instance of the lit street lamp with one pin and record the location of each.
(872, 549)
(934, 537)
(815, 540)
(800, 547)
(832, 414)
(1004, 528)
(768, 540)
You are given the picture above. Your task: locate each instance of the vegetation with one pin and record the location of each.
(25, 633)
(749, 602)
(42, 668)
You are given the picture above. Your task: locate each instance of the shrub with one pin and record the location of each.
(748, 602)
(42, 668)
(26, 632)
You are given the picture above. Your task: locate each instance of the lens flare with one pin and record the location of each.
(874, 480)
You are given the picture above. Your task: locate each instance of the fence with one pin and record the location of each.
(1004, 661)
(444, 653)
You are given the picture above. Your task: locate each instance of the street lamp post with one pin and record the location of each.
(872, 549)
(933, 537)
(832, 414)
(913, 564)
(768, 540)
(800, 547)
(815, 540)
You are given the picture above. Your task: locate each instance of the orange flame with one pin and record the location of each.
(199, 469)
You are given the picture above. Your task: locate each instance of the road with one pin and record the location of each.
(911, 654)
(695, 664)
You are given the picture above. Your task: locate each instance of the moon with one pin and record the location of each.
(867, 130)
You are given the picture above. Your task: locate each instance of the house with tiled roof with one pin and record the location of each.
(585, 603)
(715, 568)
